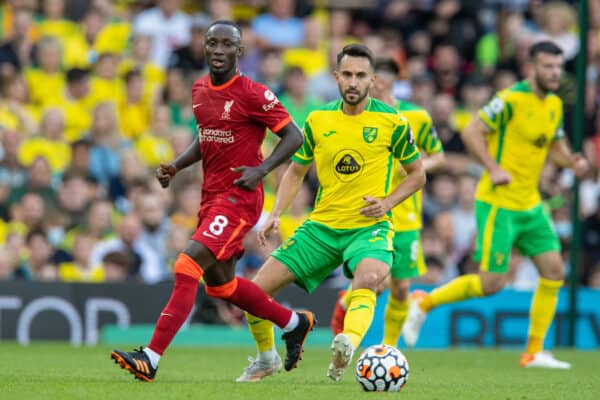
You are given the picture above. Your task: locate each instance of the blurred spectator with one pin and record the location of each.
(47, 81)
(153, 74)
(271, 70)
(15, 53)
(323, 85)
(100, 33)
(168, 26)
(279, 28)
(445, 65)
(435, 272)
(558, 24)
(75, 102)
(50, 144)
(134, 109)
(443, 192)
(39, 257)
(294, 98)
(311, 57)
(175, 95)
(105, 84)
(145, 265)
(187, 201)
(12, 173)
(177, 241)
(156, 226)
(16, 111)
(591, 244)
(79, 269)
(117, 266)
(154, 146)
(54, 23)
(190, 59)
(442, 108)
(39, 181)
(9, 263)
(474, 94)
(249, 62)
(74, 198)
(80, 162)
(106, 143)
(131, 171)
(31, 211)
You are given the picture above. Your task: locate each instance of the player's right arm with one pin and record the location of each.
(191, 155)
(490, 118)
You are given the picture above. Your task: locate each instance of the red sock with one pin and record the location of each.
(249, 297)
(174, 314)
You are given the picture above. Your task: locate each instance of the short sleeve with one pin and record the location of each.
(265, 108)
(427, 138)
(496, 113)
(403, 144)
(560, 131)
(305, 154)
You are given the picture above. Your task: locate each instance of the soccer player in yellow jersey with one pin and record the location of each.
(512, 137)
(354, 143)
(409, 261)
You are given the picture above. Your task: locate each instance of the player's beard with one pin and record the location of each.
(542, 86)
(361, 97)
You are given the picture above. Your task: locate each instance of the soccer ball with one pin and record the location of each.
(382, 368)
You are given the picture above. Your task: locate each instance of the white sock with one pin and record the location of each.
(292, 323)
(153, 356)
(268, 356)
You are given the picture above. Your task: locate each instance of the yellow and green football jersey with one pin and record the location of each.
(354, 157)
(407, 215)
(523, 127)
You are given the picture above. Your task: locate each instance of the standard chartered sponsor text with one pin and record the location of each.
(217, 135)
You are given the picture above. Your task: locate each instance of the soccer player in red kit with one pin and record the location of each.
(232, 113)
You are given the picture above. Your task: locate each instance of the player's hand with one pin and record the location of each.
(164, 174)
(376, 208)
(500, 177)
(271, 225)
(580, 165)
(251, 177)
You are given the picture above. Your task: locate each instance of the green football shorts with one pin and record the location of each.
(315, 250)
(409, 261)
(498, 230)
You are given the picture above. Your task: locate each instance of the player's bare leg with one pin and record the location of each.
(272, 277)
(368, 276)
(461, 288)
(542, 311)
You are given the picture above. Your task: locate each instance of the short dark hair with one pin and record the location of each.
(226, 22)
(131, 75)
(76, 75)
(387, 65)
(356, 50)
(546, 47)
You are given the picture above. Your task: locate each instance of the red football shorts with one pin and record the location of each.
(224, 220)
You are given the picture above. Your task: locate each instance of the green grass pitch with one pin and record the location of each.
(58, 371)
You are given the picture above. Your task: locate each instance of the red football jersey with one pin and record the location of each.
(232, 119)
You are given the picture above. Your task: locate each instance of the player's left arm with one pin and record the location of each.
(561, 154)
(404, 149)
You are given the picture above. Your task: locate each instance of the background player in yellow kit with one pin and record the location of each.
(355, 144)
(409, 261)
(512, 137)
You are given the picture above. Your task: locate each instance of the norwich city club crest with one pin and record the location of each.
(369, 134)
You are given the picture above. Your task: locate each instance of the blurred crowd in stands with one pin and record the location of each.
(95, 95)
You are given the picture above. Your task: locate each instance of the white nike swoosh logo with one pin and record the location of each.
(196, 105)
(208, 235)
(163, 314)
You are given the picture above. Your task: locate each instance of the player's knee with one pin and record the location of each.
(186, 265)
(367, 280)
(493, 285)
(556, 273)
(399, 289)
(222, 291)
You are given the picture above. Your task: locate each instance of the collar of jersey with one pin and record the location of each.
(367, 107)
(226, 84)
